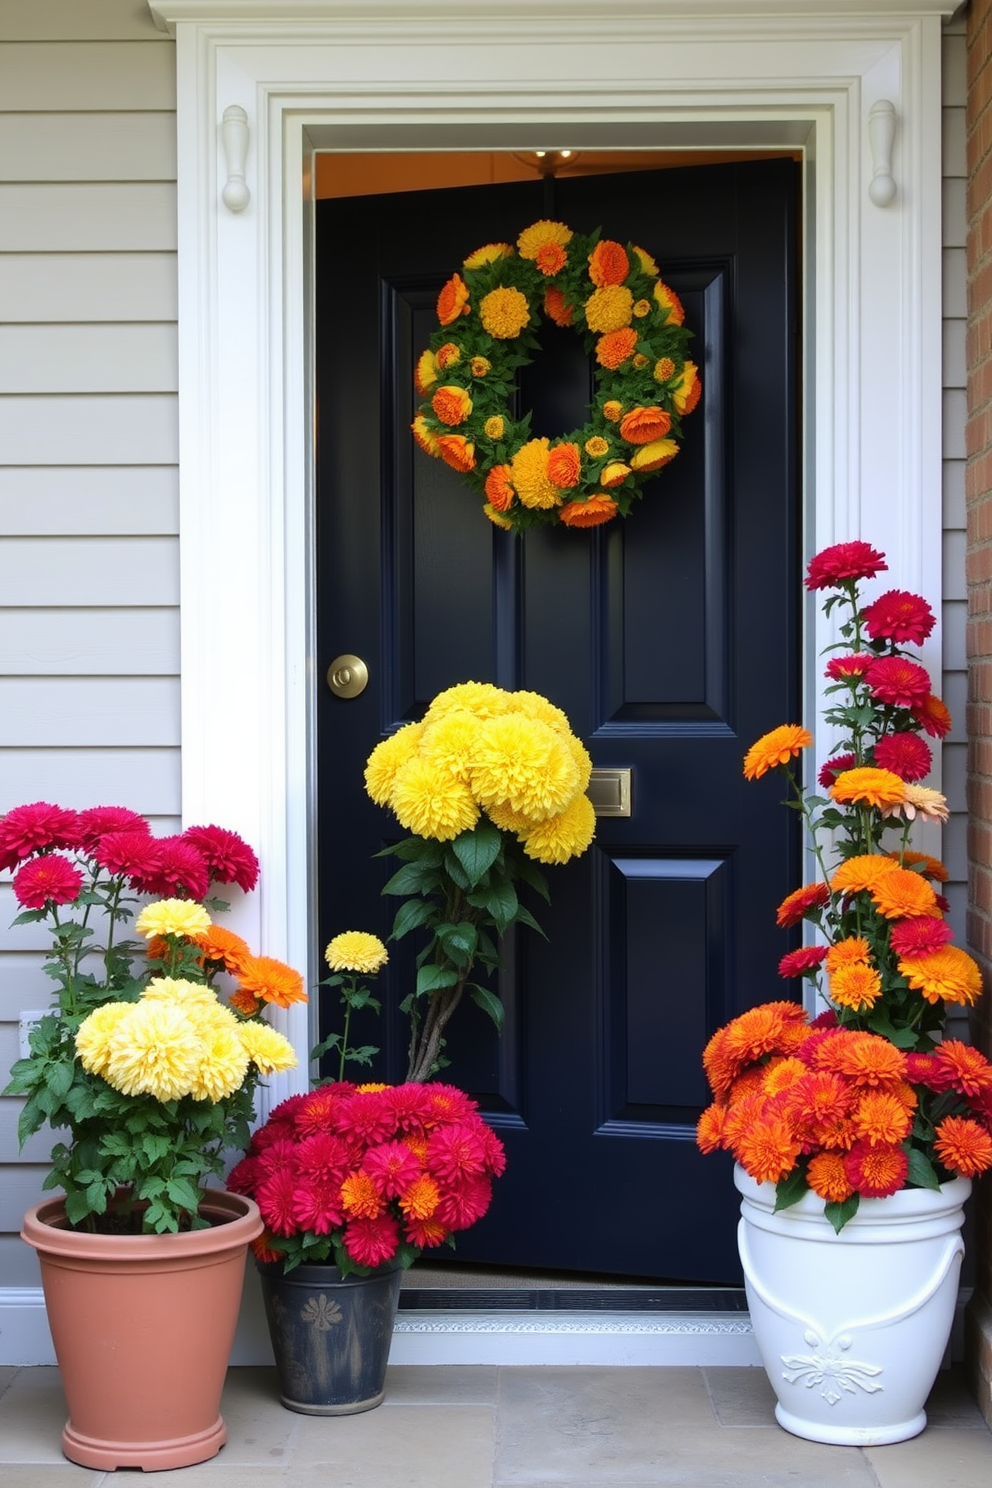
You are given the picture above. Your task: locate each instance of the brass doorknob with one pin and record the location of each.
(347, 676)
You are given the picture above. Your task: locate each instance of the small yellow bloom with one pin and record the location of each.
(645, 260)
(640, 360)
(356, 950)
(497, 518)
(489, 253)
(480, 366)
(597, 446)
(642, 308)
(613, 411)
(494, 426)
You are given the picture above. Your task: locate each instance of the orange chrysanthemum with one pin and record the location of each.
(645, 425)
(688, 390)
(608, 263)
(495, 426)
(827, 1177)
(456, 451)
(901, 894)
(867, 786)
(564, 465)
(451, 404)
(768, 1150)
(862, 872)
(963, 1067)
(709, 1128)
(271, 980)
(220, 944)
(865, 1058)
(781, 1074)
(555, 307)
(948, 975)
(881, 1117)
(425, 373)
(856, 985)
(775, 748)
(549, 258)
(360, 1197)
(453, 300)
(613, 410)
(539, 234)
(847, 952)
(932, 868)
(448, 355)
(797, 905)
(424, 436)
(499, 488)
(245, 1002)
(613, 349)
(529, 472)
(597, 509)
(420, 1199)
(963, 1146)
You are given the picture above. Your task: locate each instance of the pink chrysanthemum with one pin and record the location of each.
(906, 755)
(97, 821)
(50, 879)
(181, 870)
(898, 681)
(393, 1167)
(364, 1116)
(317, 1206)
(370, 1242)
(798, 963)
(28, 829)
(900, 617)
(843, 562)
(228, 856)
(132, 853)
(426, 1233)
(461, 1207)
(455, 1152)
(919, 936)
(276, 1198)
(324, 1158)
(318, 1110)
(835, 767)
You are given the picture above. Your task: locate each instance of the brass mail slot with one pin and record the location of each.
(609, 792)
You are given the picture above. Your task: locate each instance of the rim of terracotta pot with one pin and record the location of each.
(234, 1221)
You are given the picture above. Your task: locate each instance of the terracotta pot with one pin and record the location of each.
(143, 1327)
(852, 1327)
(330, 1336)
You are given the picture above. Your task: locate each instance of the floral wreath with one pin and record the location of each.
(626, 314)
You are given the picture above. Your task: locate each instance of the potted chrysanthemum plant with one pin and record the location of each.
(490, 784)
(857, 1123)
(145, 1067)
(353, 1182)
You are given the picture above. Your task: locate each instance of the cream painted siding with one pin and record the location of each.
(89, 562)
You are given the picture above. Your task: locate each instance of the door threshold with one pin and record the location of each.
(671, 1301)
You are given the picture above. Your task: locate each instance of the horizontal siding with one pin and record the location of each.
(79, 20)
(24, 987)
(147, 780)
(18, 1268)
(87, 147)
(84, 571)
(42, 218)
(73, 287)
(58, 77)
(59, 643)
(67, 711)
(88, 359)
(20, 1189)
(93, 501)
(87, 430)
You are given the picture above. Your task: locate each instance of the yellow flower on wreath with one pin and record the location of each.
(487, 254)
(504, 312)
(530, 478)
(539, 235)
(609, 308)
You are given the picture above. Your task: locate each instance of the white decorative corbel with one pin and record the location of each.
(881, 137)
(234, 138)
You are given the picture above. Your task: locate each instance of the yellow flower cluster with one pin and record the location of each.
(480, 749)
(177, 1040)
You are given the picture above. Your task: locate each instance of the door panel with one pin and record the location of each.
(667, 639)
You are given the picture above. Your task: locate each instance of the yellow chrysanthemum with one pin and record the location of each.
(495, 426)
(223, 1065)
(425, 436)
(488, 253)
(388, 757)
(153, 1051)
(425, 375)
(612, 410)
(597, 446)
(564, 836)
(609, 308)
(498, 519)
(504, 312)
(480, 366)
(533, 705)
(654, 455)
(268, 1051)
(539, 235)
(483, 699)
(530, 477)
(642, 308)
(432, 803)
(508, 820)
(172, 917)
(526, 765)
(614, 474)
(867, 786)
(583, 760)
(449, 742)
(94, 1035)
(645, 260)
(356, 950)
(183, 994)
(777, 747)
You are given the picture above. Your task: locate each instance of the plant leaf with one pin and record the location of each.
(489, 1003)
(839, 1214)
(921, 1171)
(478, 849)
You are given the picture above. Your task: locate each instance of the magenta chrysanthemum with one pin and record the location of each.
(28, 829)
(180, 870)
(898, 681)
(370, 1242)
(906, 755)
(132, 853)
(835, 767)
(843, 562)
(228, 856)
(900, 617)
(919, 936)
(97, 821)
(50, 879)
(797, 963)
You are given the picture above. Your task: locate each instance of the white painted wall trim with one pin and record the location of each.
(446, 76)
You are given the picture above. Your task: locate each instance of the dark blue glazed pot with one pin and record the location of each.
(330, 1336)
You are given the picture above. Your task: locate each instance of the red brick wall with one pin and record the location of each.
(978, 487)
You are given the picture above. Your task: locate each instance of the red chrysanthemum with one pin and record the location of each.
(798, 963)
(900, 617)
(843, 668)
(227, 855)
(243, 1177)
(276, 1155)
(180, 871)
(276, 1198)
(317, 1206)
(495, 1152)
(370, 1242)
(446, 1103)
(97, 821)
(28, 829)
(922, 1069)
(317, 1111)
(323, 1157)
(841, 563)
(962, 1067)
(364, 1116)
(876, 1171)
(462, 1206)
(906, 755)
(800, 902)
(898, 681)
(919, 936)
(50, 879)
(835, 767)
(393, 1167)
(933, 717)
(131, 853)
(455, 1152)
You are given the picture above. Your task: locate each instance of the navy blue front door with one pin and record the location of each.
(671, 642)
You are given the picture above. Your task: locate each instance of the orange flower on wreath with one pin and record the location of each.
(614, 474)
(645, 425)
(456, 451)
(599, 508)
(608, 263)
(452, 405)
(688, 390)
(425, 436)
(499, 488)
(448, 355)
(556, 308)
(549, 258)
(669, 300)
(453, 300)
(564, 465)
(613, 349)
(654, 456)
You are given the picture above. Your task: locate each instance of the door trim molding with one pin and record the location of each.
(326, 74)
